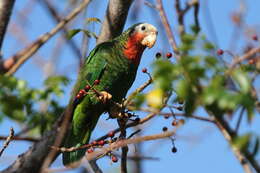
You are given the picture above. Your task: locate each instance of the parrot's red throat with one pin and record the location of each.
(133, 48)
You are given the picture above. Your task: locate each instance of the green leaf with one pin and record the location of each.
(72, 33)
(208, 46)
(242, 142)
(90, 34)
(93, 19)
(242, 79)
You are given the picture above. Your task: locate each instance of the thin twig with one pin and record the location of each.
(8, 140)
(244, 57)
(167, 27)
(54, 14)
(239, 119)
(134, 133)
(23, 55)
(118, 144)
(211, 120)
(117, 130)
(18, 138)
(68, 113)
(243, 157)
(138, 90)
(122, 125)
(121, 143)
(181, 13)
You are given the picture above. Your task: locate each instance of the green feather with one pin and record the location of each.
(116, 73)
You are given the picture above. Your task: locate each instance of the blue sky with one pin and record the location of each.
(201, 147)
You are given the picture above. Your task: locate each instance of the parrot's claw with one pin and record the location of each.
(104, 96)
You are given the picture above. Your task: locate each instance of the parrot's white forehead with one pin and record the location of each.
(147, 26)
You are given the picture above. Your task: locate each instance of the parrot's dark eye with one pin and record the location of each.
(143, 28)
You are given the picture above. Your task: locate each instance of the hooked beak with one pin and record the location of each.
(150, 39)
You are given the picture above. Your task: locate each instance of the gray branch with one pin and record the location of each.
(115, 19)
(6, 7)
(31, 161)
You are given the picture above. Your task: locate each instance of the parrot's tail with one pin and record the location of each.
(71, 158)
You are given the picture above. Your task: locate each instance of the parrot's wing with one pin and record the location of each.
(95, 65)
(96, 62)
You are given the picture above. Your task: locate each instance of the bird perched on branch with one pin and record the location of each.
(107, 74)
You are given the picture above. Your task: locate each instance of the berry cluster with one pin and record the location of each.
(98, 144)
(83, 92)
(167, 55)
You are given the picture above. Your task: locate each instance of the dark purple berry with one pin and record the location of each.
(174, 149)
(164, 129)
(158, 55)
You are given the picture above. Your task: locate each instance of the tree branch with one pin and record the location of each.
(167, 27)
(115, 19)
(8, 140)
(36, 154)
(244, 57)
(12, 64)
(125, 142)
(18, 138)
(55, 16)
(243, 156)
(122, 125)
(6, 8)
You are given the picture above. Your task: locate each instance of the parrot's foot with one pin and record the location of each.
(104, 96)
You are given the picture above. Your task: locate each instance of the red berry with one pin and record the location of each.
(158, 55)
(90, 150)
(220, 52)
(78, 96)
(94, 143)
(114, 159)
(144, 70)
(254, 37)
(111, 134)
(101, 142)
(174, 123)
(251, 61)
(87, 88)
(81, 92)
(174, 149)
(164, 129)
(96, 82)
(169, 55)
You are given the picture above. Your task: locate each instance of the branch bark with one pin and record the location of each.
(6, 8)
(36, 154)
(55, 16)
(115, 19)
(12, 64)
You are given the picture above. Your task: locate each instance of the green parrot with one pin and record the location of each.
(111, 69)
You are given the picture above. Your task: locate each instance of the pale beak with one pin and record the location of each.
(150, 39)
